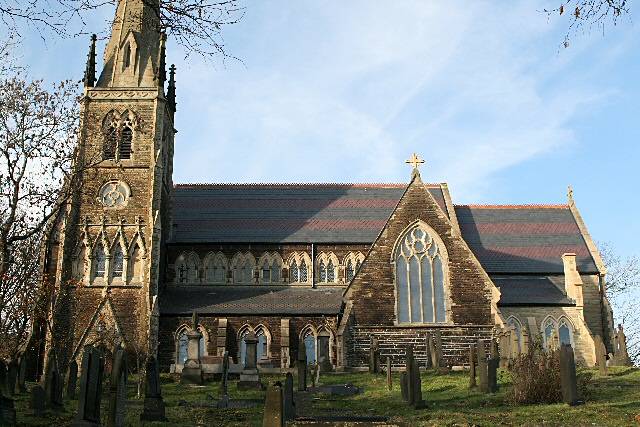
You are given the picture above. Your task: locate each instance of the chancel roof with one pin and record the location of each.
(251, 300)
(519, 239)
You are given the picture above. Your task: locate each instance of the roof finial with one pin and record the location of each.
(570, 195)
(415, 161)
(90, 70)
(171, 89)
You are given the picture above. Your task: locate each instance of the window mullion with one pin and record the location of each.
(433, 290)
(420, 285)
(407, 262)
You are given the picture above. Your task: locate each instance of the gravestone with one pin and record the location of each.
(409, 368)
(436, 350)
(224, 380)
(192, 369)
(90, 397)
(472, 366)
(416, 387)
(72, 379)
(324, 358)
(301, 364)
(118, 390)
(153, 409)
(428, 344)
(404, 391)
(249, 377)
(4, 383)
(314, 370)
(495, 350)
(37, 401)
(601, 354)
(289, 404)
(568, 380)
(53, 385)
(621, 354)
(492, 374)
(483, 368)
(273, 407)
(12, 377)
(374, 356)
(22, 373)
(389, 378)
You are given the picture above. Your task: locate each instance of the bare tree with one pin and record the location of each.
(585, 15)
(623, 291)
(38, 145)
(194, 24)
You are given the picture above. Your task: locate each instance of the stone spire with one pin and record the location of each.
(171, 89)
(132, 56)
(90, 70)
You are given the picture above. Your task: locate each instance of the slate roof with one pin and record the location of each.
(531, 290)
(285, 213)
(251, 300)
(519, 239)
(524, 239)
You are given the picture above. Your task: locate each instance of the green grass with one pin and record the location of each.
(612, 401)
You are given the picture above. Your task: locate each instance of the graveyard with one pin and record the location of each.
(415, 394)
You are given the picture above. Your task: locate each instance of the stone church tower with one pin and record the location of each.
(105, 250)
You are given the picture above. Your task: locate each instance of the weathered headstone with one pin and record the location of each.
(324, 357)
(483, 368)
(289, 404)
(429, 346)
(301, 364)
(472, 366)
(492, 374)
(36, 403)
(192, 369)
(90, 397)
(22, 373)
(404, 389)
(53, 385)
(314, 371)
(224, 380)
(374, 356)
(621, 354)
(416, 399)
(153, 409)
(409, 368)
(568, 380)
(118, 390)
(249, 377)
(12, 377)
(436, 350)
(72, 379)
(601, 354)
(273, 407)
(389, 378)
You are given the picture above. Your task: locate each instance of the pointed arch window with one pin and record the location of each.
(349, 271)
(310, 347)
(118, 135)
(420, 277)
(118, 262)
(182, 344)
(298, 267)
(326, 264)
(243, 266)
(323, 272)
(111, 142)
(135, 264)
(517, 329)
(99, 262)
(215, 266)
(125, 142)
(79, 262)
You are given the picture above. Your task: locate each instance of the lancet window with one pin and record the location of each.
(118, 135)
(299, 263)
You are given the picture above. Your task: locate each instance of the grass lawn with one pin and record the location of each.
(613, 401)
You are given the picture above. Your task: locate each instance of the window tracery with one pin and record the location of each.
(117, 262)
(299, 263)
(99, 262)
(557, 332)
(420, 261)
(243, 266)
(215, 266)
(187, 268)
(118, 135)
(352, 264)
(327, 264)
(270, 267)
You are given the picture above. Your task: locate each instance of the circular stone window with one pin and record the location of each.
(114, 194)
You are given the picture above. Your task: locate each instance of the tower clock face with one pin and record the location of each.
(114, 194)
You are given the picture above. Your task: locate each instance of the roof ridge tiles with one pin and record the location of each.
(522, 206)
(295, 184)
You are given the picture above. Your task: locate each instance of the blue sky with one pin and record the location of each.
(335, 91)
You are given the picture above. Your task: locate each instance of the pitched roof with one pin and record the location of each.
(285, 213)
(531, 290)
(507, 239)
(523, 239)
(253, 300)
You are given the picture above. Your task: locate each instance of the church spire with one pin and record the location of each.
(132, 55)
(90, 70)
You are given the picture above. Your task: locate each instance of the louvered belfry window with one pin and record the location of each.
(118, 136)
(420, 278)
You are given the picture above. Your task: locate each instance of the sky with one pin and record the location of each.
(334, 91)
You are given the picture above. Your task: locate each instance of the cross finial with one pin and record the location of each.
(570, 194)
(415, 161)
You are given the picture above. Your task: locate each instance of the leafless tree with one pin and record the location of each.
(586, 15)
(623, 290)
(194, 24)
(38, 145)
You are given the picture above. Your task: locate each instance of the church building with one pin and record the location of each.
(319, 268)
